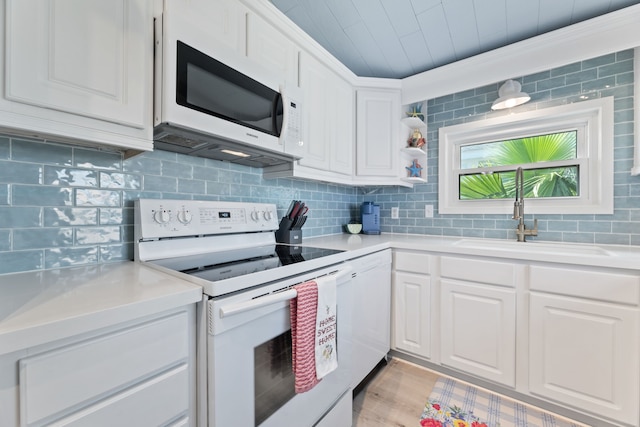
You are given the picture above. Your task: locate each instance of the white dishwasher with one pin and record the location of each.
(371, 286)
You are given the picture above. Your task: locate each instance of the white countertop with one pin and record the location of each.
(43, 306)
(612, 256)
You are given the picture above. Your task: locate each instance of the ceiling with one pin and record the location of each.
(399, 38)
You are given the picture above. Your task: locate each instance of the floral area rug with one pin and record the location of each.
(454, 404)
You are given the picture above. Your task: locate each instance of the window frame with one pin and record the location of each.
(594, 121)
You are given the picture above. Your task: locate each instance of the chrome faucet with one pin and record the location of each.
(518, 210)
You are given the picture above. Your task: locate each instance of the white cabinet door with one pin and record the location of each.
(84, 57)
(378, 124)
(270, 48)
(371, 313)
(412, 313)
(342, 117)
(584, 353)
(328, 118)
(478, 333)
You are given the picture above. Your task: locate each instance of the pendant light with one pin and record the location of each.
(510, 94)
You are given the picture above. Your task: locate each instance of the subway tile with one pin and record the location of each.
(38, 152)
(85, 197)
(94, 159)
(112, 253)
(18, 217)
(205, 173)
(160, 183)
(616, 68)
(566, 69)
(66, 176)
(191, 186)
(66, 257)
(120, 180)
(5, 240)
(62, 217)
(594, 226)
(4, 194)
(600, 83)
(40, 238)
(218, 189)
(128, 197)
(612, 239)
(20, 173)
(599, 61)
(93, 235)
(578, 237)
(5, 148)
(176, 170)
(17, 261)
(116, 216)
(142, 164)
(33, 195)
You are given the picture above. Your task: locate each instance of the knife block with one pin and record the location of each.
(285, 235)
(290, 237)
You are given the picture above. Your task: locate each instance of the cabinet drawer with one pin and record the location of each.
(414, 262)
(601, 285)
(70, 377)
(152, 403)
(481, 271)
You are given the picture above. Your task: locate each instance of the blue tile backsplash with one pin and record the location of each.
(608, 75)
(62, 205)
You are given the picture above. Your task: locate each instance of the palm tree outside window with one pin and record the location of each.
(483, 174)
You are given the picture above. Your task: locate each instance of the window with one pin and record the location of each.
(566, 153)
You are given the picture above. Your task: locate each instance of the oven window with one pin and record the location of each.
(274, 382)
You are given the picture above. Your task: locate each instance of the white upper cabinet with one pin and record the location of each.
(272, 49)
(378, 131)
(327, 147)
(80, 69)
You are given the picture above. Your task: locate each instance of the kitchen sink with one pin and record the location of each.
(533, 247)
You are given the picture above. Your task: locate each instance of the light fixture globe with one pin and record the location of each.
(510, 94)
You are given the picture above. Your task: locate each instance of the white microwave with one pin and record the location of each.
(213, 102)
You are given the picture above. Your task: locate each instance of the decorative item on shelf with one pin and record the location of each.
(415, 170)
(416, 139)
(416, 111)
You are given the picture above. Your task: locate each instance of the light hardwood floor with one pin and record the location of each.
(395, 397)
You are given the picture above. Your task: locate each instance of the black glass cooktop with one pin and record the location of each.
(273, 257)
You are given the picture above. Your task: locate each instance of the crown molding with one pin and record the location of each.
(605, 34)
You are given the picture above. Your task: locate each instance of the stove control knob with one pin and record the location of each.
(162, 216)
(184, 216)
(255, 215)
(267, 215)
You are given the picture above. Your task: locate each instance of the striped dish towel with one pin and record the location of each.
(303, 310)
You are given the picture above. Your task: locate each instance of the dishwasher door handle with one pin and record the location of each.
(263, 301)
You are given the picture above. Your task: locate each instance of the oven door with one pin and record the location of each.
(250, 378)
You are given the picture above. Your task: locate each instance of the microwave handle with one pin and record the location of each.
(274, 116)
(254, 304)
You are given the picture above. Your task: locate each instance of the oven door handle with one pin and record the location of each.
(241, 307)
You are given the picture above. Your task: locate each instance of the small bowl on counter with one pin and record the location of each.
(353, 228)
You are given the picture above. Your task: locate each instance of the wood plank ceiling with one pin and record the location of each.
(399, 38)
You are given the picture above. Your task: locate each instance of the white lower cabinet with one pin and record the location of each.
(478, 317)
(566, 335)
(583, 352)
(412, 298)
(478, 333)
(140, 373)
